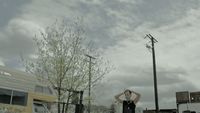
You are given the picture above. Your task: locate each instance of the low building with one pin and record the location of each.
(188, 102)
(161, 111)
(21, 92)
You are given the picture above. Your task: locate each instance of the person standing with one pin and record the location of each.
(129, 104)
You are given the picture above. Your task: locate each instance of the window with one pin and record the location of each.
(19, 98)
(13, 97)
(5, 96)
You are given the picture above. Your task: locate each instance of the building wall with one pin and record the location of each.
(190, 106)
(161, 111)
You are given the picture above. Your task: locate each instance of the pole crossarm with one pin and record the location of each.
(90, 56)
(151, 38)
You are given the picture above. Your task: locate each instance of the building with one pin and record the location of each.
(161, 111)
(21, 92)
(188, 102)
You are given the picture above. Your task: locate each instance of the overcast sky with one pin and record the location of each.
(118, 27)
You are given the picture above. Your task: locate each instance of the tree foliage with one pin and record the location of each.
(61, 61)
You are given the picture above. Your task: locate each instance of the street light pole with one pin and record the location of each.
(153, 40)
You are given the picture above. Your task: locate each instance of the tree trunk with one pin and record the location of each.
(67, 105)
(59, 100)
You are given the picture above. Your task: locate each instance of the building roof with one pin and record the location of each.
(17, 80)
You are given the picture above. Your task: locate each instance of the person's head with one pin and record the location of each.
(127, 93)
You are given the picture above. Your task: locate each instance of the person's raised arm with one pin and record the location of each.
(137, 97)
(117, 97)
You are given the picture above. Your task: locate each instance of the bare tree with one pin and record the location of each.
(61, 59)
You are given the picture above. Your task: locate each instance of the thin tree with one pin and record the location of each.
(61, 60)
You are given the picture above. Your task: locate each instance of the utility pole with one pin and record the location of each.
(89, 92)
(153, 40)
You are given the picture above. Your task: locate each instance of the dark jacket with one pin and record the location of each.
(128, 107)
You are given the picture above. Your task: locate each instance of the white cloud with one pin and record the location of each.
(17, 38)
(120, 26)
(24, 27)
(177, 59)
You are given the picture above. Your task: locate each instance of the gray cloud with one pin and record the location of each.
(10, 9)
(140, 79)
(118, 27)
(143, 76)
(163, 12)
(106, 91)
(17, 39)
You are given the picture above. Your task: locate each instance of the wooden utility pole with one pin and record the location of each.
(89, 92)
(153, 40)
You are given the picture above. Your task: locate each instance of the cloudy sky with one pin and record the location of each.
(118, 27)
